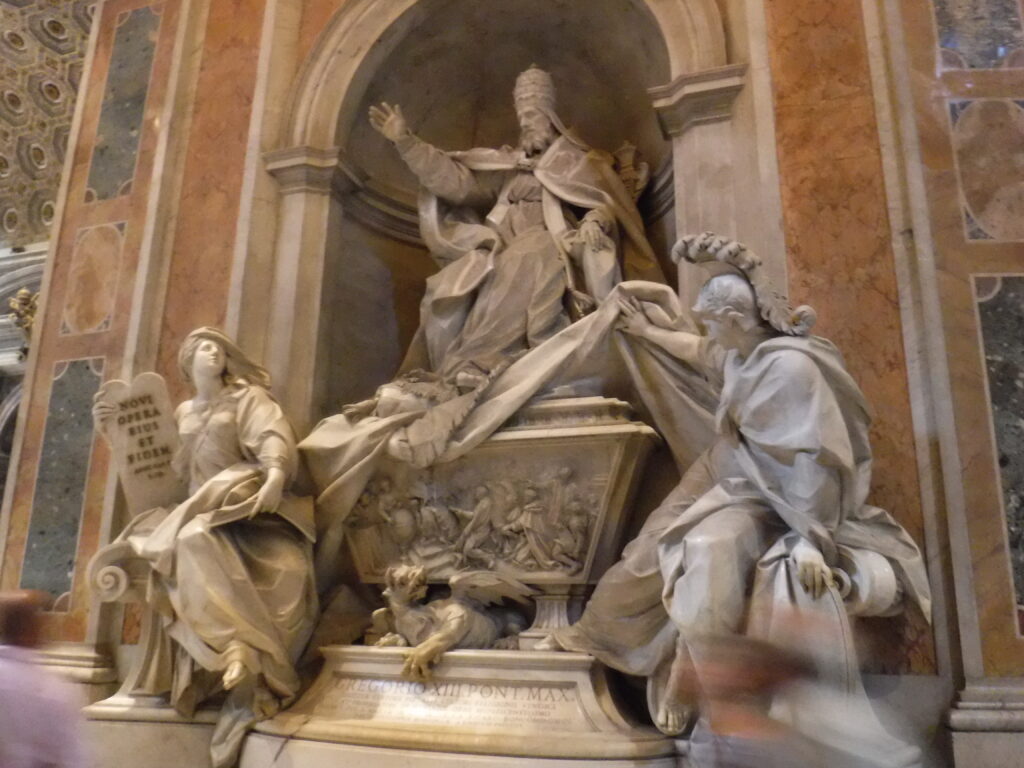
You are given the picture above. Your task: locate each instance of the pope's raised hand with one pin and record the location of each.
(389, 121)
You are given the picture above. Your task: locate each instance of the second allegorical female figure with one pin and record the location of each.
(229, 569)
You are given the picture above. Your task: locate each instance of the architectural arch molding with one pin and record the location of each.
(315, 182)
(363, 31)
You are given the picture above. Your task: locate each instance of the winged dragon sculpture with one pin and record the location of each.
(474, 615)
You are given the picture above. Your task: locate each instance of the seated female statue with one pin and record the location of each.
(229, 569)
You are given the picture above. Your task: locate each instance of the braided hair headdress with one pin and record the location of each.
(773, 306)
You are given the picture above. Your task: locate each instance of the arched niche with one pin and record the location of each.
(348, 267)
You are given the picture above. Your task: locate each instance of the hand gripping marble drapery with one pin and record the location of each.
(229, 584)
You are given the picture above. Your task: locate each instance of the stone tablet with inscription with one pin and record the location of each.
(143, 438)
(515, 703)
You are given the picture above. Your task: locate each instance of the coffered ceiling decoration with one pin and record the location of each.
(42, 45)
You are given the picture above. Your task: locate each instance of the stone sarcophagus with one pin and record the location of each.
(544, 500)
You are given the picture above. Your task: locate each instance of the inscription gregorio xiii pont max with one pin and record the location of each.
(497, 704)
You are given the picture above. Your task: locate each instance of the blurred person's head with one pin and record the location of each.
(20, 623)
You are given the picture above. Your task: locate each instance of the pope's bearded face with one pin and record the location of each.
(536, 130)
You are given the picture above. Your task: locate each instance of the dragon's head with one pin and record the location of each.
(405, 584)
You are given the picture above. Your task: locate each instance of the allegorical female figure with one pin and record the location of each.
(764, 512)
(229, 568)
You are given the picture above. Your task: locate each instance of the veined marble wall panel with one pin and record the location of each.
(124, 102)
(1001, 319)
(979, 34)
(969, 135)
(840, 253)
(95, 253)
(988, 136)
(95, 267)
(207, 217)
(315, 16)
(53, 529)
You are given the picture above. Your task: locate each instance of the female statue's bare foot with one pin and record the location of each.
(673, 717)
(233, 675)
(678, 703)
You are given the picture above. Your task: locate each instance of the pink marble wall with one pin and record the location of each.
(204, 234)
(839, 250)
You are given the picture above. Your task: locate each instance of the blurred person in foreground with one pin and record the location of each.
(40, 718)
(765, 705)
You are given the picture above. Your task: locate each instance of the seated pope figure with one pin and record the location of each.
(781, 491)
(229, 570)
(528, 238)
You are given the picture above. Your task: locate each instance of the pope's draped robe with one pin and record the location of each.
(497, 232)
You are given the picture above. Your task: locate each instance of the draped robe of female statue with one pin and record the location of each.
(229, 583)
(791, 459)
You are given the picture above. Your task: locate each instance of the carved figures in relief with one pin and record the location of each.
(776, 501)
(572, 537)
(517, 230)
(523, 525)
(227, 571)
(480, 538)
(475, 615)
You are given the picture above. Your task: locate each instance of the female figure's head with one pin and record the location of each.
(728, 308)
(208, 352)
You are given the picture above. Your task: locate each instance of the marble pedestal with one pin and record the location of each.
(126, 730)
(987, 724)
(507, 708)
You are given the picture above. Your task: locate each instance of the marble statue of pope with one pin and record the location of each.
(528, 237)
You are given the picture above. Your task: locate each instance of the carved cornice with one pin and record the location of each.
(387, 210)
(381, 209)
(385, 215)
(697, 97)
(303, 169)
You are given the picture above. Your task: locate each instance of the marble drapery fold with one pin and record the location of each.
(343, 451)
(497, 227)
(791, 459)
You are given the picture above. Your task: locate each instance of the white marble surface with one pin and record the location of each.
(113, 744)
(274, 752)
(988, 750)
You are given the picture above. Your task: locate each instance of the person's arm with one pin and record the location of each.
(440, 173)
(266, 434)
(680, 344)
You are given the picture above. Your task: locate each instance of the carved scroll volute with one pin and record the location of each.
(111, 575)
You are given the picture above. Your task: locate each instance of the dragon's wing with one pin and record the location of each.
(489, 587)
